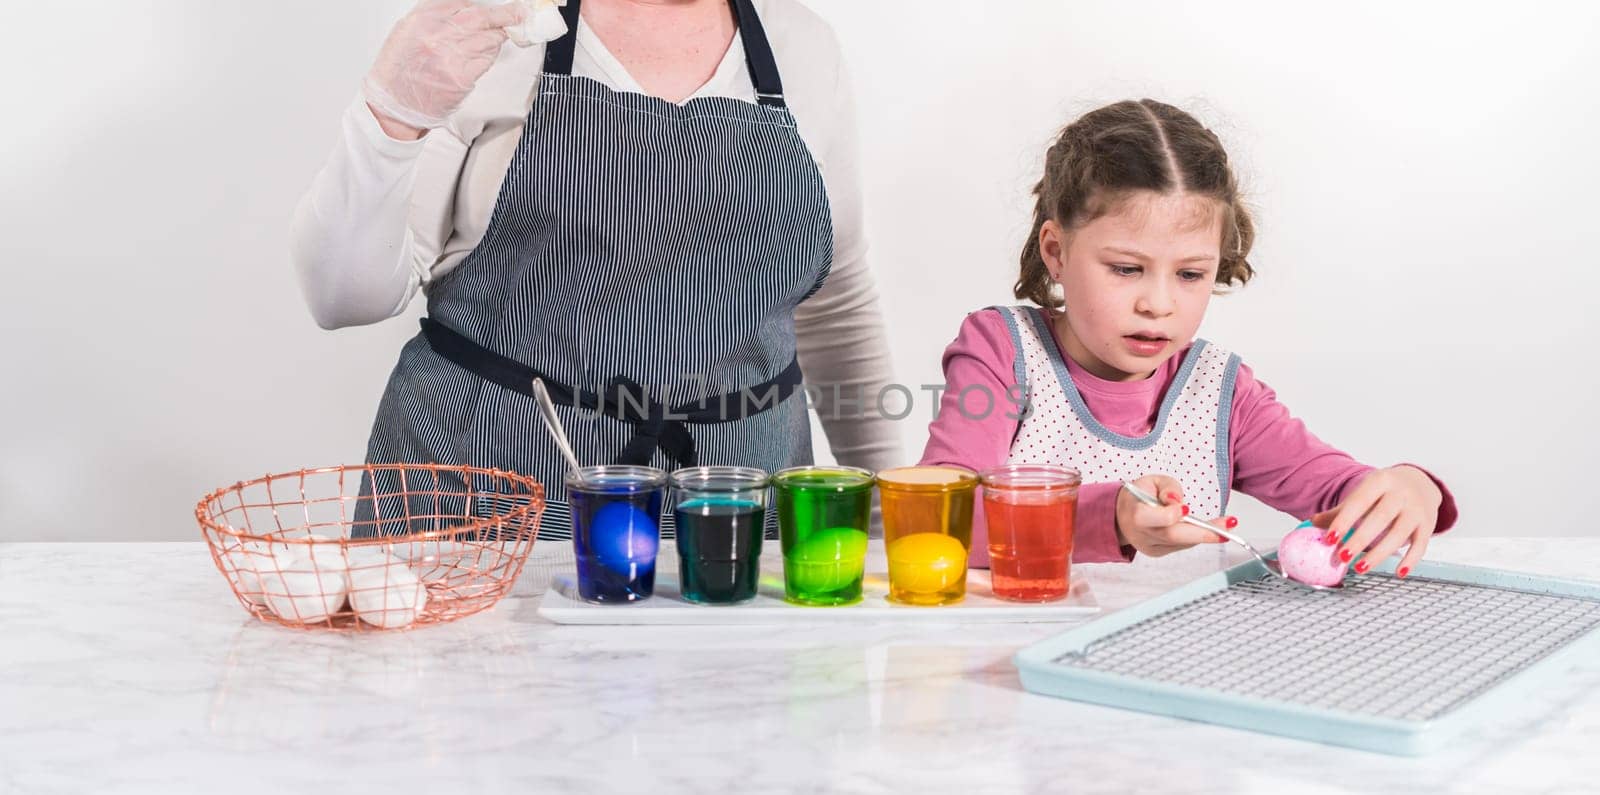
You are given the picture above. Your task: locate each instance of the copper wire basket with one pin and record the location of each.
(372, 547)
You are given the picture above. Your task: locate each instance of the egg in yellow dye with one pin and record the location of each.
(926, 563)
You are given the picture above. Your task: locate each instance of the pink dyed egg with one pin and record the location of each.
(1305, 557)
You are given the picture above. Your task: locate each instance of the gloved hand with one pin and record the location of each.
(433, 58)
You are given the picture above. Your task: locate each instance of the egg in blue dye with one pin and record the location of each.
(622, 537)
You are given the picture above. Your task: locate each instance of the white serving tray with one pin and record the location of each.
(562, 605)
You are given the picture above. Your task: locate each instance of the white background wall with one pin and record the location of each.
(1425, 178)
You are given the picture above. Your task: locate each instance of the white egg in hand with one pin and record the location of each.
(387, 597)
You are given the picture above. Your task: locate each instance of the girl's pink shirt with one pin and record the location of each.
(1275, 458)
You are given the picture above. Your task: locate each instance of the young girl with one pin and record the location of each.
(1138, 221)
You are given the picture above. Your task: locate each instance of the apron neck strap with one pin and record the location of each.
(757, 52)
(558, 52)
(758, 55)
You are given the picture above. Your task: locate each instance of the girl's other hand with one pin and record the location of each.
(1389, 508)
(1157, 531)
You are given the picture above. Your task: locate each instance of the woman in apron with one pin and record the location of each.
(647, 259)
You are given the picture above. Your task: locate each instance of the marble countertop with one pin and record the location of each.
(130, 668)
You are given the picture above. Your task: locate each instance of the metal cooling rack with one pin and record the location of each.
(1384, 664)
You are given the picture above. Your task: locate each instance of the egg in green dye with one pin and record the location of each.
(828, 560)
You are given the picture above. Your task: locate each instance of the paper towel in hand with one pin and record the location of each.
(543, 22)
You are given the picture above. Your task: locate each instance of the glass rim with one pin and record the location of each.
(720, 479)
(628, 478)
(781, 478)
(1034, 477)
(968, 479)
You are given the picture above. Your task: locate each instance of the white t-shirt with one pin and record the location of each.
(384, 218)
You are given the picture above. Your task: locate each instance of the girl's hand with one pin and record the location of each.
(431, 61)
(1161, 531)
(1389, 508)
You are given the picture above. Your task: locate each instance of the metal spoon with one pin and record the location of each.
(1271, 565)
(547, 409)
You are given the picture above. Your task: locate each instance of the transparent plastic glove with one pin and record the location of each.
(433, 58)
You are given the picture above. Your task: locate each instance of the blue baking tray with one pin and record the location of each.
(1399, 666)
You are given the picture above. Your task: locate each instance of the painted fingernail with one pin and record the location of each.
(1361, 568)
(1171, 496)
(1232, 522)
(1403, 571)
(1345, 555)
(1330, 537)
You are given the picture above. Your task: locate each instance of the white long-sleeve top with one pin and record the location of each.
(384, 218)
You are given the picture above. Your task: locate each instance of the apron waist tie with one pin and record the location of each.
(622, 398)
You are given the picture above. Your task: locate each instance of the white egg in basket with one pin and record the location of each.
(300, 586)
(387, 596)
(250, 559)
(374, 558)
(325, 550)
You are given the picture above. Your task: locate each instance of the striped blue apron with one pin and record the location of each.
(644, 259)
